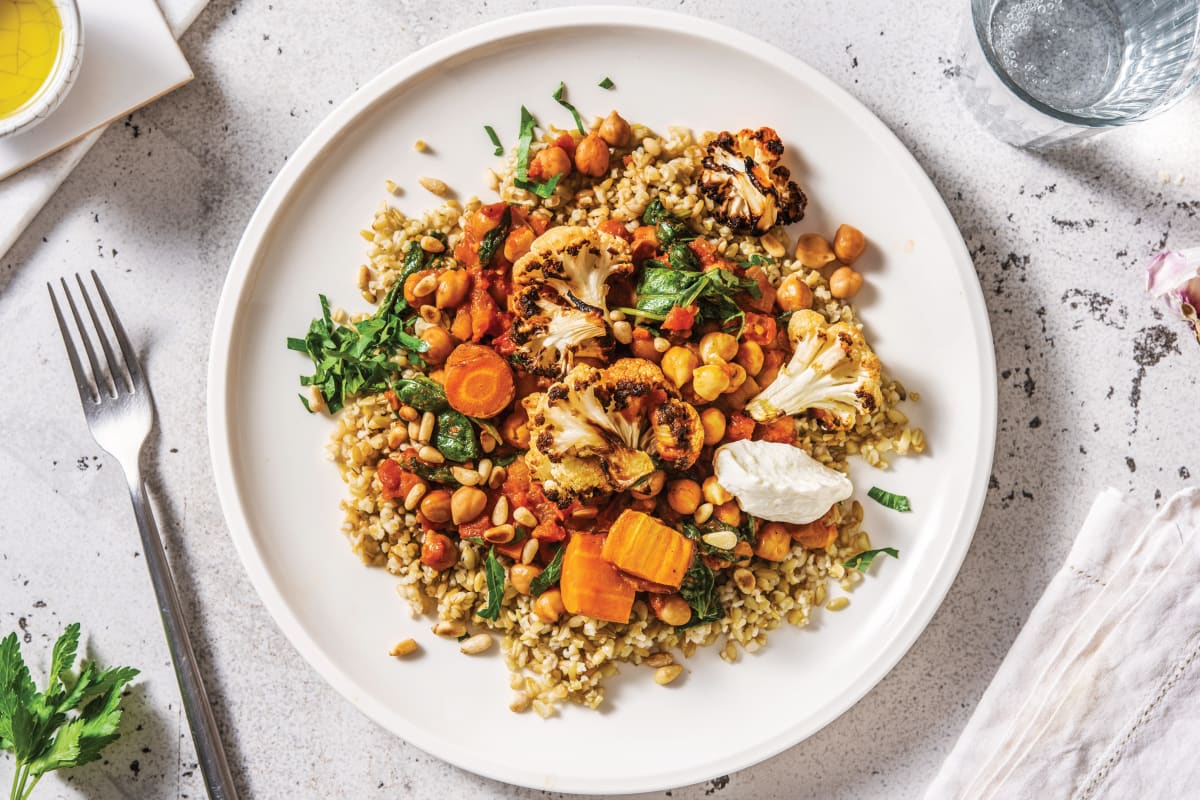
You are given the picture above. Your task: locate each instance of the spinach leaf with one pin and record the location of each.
(550, 575)
(671, 230)
(700, 590)
(654, 212)
(495, 586)
(454, 437)
(421, 393)
(493, 239)
(681, 257)
(896, 502)
(434, 473)
(862, 561)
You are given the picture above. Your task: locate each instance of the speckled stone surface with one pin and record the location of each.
(1097, 387)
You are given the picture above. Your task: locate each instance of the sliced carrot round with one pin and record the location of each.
(479, 382)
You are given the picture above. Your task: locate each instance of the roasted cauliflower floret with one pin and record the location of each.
(558, 299)
(751, 191)
(832, 369)
(595, 431)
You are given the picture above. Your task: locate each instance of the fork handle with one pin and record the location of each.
(205, 736)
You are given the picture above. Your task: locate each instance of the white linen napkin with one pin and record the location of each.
(1099, 696)
(23, 195)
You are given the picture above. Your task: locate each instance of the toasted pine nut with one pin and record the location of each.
(484, 468)
(520, 702)
(657, 660)
(316, 400)
(467, 477)
(496, 479)
(529, 551)
(838, 603)
(414, 495)
(403, 647)
(434, 185)
(500, 511)
(409, 414)
(744, 579)
(585, 512)
(500, 534)
(492, 179)
(476, 644)
(430, 455)
(420, 146)
(425, 433)
(449, 629)
(431, 314)
(523, 516)
(414, 430)
(664, 675)
(772, 245)
(622, 332)
(486, 442)
(364, 276)
(431, 244)
(724, 540)
(661, 345)
(396, 437)
(703, 513)
(426, 286)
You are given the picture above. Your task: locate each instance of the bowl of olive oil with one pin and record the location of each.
(41, 45)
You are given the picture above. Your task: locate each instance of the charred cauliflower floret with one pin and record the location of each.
(832, 369)
(595, 431)
(558, 300)
(751, 191)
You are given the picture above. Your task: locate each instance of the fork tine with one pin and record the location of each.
(86, 390)
(114, 365)
(131, 359)
(101, 384)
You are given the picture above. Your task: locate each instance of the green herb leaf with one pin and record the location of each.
(504, 461)
(524, 140)
(654, 212)
(550, 575)
(463, 638)
(896, 502)
(454, 437)
(491, 132)
(439, 473)
(671, 230)
(560, 98)
(493, 239)
(607, 83)
(495, 586)
(862, 561)
(65, 726)
(700, 590)
(421, 393)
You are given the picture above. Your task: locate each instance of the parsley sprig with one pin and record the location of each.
(524, 140)
(64, 726)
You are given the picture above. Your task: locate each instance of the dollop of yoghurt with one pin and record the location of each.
(779, 482)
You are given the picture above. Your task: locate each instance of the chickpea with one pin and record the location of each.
(591, 156)
(651, 487)
(709, 381)
(712, 420)
(466, 504)
(410, 286)
(615, 130)
(717, 348)
(436, 506)
(643, 347)
(813, 251)
(793, 294)
(522, 575)
(671, 609)
(452, 288)
(714, 492)
(438, 552)
(729, 512)
(845, 283)
(440, 344)
(772, 363)
(684, 496)
(750, 356)
(515, 429)
(848, 243)
(548, 162)
(678, 364)
(517, 243)
(737, 376)
(774, 542)
(549, 605)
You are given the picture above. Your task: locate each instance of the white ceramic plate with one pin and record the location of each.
(923, 310)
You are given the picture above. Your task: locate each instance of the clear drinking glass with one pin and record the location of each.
(1037, 73)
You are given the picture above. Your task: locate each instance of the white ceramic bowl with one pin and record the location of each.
(62, 76)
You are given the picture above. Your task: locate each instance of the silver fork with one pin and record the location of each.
(120, 414)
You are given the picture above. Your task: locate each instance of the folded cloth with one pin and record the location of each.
(1099, 696)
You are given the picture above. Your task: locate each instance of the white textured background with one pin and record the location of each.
(1096, 388)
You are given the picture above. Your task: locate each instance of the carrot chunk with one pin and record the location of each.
(641, 545)
(479, 383)
(590, 585)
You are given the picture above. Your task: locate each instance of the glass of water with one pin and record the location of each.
(1037, 73)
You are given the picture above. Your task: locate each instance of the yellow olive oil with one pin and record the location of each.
(30, 38)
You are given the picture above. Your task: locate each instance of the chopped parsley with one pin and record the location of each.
(491, 132)
(550, 575)
(495, 586)
(862, 561)
(607, 83)
(896, 502)
(560, 98)
(700, 590)
(524, 140)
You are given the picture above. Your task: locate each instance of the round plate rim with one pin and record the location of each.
(327, 132)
